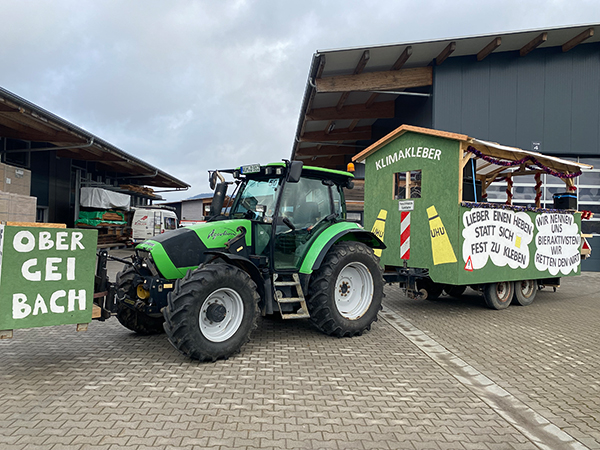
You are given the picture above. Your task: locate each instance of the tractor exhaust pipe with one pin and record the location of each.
(218, 200)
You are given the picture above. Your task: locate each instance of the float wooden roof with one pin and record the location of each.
(491, 149)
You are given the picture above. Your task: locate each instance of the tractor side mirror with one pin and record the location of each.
(294, 171)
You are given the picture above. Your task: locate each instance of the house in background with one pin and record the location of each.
(193, 209)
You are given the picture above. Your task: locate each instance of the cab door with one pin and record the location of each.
(304, 205)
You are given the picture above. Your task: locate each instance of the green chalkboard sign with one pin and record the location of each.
(46, 276)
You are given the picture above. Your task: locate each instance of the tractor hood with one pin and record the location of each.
(175, 252)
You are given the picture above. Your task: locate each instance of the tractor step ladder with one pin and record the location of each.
(302, 313)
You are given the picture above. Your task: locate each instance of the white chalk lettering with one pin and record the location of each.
(20, 308)
(409, 152)
(53, 298)
(76, 299)
(19, 244)
(27, 274)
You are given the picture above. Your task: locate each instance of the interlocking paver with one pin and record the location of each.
(292, 387)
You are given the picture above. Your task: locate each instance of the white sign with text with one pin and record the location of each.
(502, 235)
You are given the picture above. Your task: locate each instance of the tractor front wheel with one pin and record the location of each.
(130, 318)
(345, 293)
(211, 312)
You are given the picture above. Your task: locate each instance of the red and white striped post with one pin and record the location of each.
(405, 235)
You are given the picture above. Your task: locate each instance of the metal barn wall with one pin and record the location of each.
(547, 96)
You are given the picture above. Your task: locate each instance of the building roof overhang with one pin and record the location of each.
(348, 90)
(21, 119)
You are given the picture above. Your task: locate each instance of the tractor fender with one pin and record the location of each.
(342, 231)
(246, 265)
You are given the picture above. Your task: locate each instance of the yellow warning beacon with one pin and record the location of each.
(441, 248)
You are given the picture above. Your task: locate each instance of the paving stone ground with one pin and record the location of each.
(292, 387)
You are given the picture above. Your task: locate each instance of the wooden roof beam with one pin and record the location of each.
(27, 134)
(533, 44)
(403, 58)
(7, 108)
(377, 81)
(350, 112)
(358, 134)
(362, 63)
(87, 155)
(445, 53)
(328, 162)
(493, 45)
(397, 66)
(578, 39)
(325, 150)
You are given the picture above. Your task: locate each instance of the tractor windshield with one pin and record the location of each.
(256, 200)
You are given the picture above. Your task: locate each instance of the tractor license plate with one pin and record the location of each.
(250, 168)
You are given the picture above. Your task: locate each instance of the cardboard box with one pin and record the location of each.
(15, 180)
(17, 208)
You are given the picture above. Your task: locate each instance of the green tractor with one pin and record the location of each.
(281, 247)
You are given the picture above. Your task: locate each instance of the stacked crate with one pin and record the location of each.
(16, 205)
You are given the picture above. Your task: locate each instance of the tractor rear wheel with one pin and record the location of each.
(130, 318)
(345, 293)
(211, 312)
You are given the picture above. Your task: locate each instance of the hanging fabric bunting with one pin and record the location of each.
(527, 159)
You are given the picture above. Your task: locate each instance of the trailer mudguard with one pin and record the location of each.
(342, 231)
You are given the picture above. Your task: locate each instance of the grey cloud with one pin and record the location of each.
(195, 85)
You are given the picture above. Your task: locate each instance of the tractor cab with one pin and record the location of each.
(287, 204)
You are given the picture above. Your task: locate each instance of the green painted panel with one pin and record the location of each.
(214, 235)
(46, 276)
(321, 240)
(503, 244)
(438, 160)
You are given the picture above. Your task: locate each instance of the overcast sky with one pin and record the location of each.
(190, 86)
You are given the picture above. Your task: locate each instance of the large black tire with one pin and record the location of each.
(434, 290)
(345, 293)
(454, 290)
(129, 318)
(211, 312)
(525, 292)
(498, 295)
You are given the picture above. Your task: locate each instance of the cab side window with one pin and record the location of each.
(306, 202)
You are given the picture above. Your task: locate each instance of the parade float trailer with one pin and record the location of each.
(426, 198)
